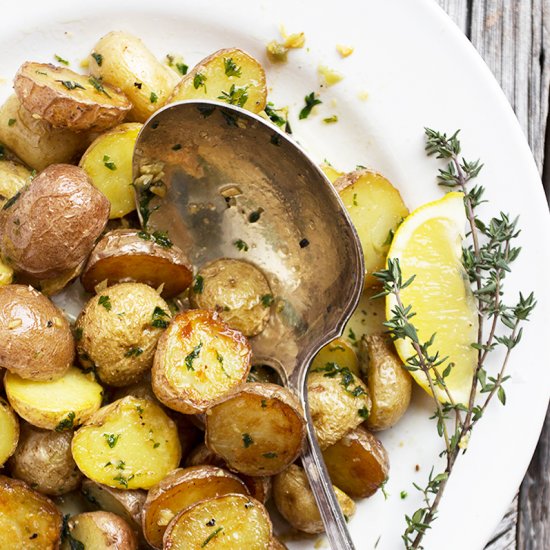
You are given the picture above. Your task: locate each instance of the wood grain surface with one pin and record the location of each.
(513, 38)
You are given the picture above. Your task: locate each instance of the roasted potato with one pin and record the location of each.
(357, 463)
(53, 225)
(229, 75)
(43, 459)
(296, 503)
(180, 489)
(67, 99)
(276, 544)
(13, 177)
(129, 444)
(99, 531)
(258, 431)
(6, 274)
(125, 255)
(390, 385)
(9, 428)
(58, 405)
(223, 523)
(118, 330)
(37, 343)
(28, 520)
(338, 351)
(198, 360)
(34, 140)
(338, 402)
(123, 60)
(238, 291)
(108, 162)
(376, 210)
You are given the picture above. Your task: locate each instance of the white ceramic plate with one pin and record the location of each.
(418, 70)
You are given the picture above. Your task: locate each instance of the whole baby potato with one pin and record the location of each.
(36, 341)
(53, 225)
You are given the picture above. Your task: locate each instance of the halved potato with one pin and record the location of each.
(61, 404)
(108, 162)
(358, 463)
(28, 520)
(180, 489)
(6, 274)
(126, 255)
(223, 523)
(9, 428)
(124, 61)
(67, 99)
(198, 360)
(258, 431)
(376, 209)
(13, 177)
(129, 444)
(229, 75)
(338, 351)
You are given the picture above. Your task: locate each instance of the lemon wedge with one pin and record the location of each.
(428, 244)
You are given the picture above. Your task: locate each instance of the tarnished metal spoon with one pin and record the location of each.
(213, 175)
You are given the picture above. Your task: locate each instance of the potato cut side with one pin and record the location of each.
(182, 488)
(340, 352)
(221, 523)
(67, 99)
(9, 428)
(126, 255)
(358, 463)
(258, 431)
(376, 210)
(6, 274)
(129, 444)
(228, 75)
(198, 360)
(13, 177)
(108, 162)
(60, 405)
(28, 520)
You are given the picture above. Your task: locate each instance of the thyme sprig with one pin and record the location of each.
(487, 258)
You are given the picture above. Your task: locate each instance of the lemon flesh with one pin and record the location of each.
(428, 245)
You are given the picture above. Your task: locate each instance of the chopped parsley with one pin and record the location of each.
(123, 480)
(71, 84)
(66, 423)
(105, 302)
(96, 83)
(363, 411)
(332, 370)
(153, 98)
(241, 245)
(192, 356)
(199, 80)
(11, 121)
(274, 116)
(270, 455)
(331, 119)
(159, 237)
(247, 441)
(111, 439)
(98, 58)
(351, 335)
(198, 286)
(263, 403)
(255, 216)
(176, 147)
(303, 243)
(156, 445)
(237, 95)
(59, 59)
(267, 300)
(159, 318)
(121, 465)
(78, 332)
(311, 101)
(231, 69)
(355, 203)
(211, 536)
(133, 352)
(403, 495)
(182, 68)
(108, 163)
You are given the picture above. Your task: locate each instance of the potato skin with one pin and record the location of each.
(358, 463)
(37, 343)
(43, 459)
(116, 332)
(54, 224)
(28, 519)
(9, 428)
(130, 255)
(390, 385)
(296, 503)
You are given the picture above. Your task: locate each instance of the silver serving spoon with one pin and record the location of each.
(216, 176)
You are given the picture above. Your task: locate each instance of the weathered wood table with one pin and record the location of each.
(513, 38)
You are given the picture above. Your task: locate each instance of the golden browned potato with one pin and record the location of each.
(108, 162)
(229, 75)
(390, 385)
(223, 523)
(28, 520)
(37, 343)
(125, 255)
(358, 463)
(180, 489)
(34, 140)
(118, 330)
(376, 209)
(338, 351)
(6, 274)
(9, 428)
(43, 459)
(338, 402)
(238, 291)
(276, 544)
(52, 227)
(99, 531)
(67, 99)
(13, 177)
(199, 359)
(123, 60)
(296, 503)
(258, 431)
(60, 404)
(129, 444)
